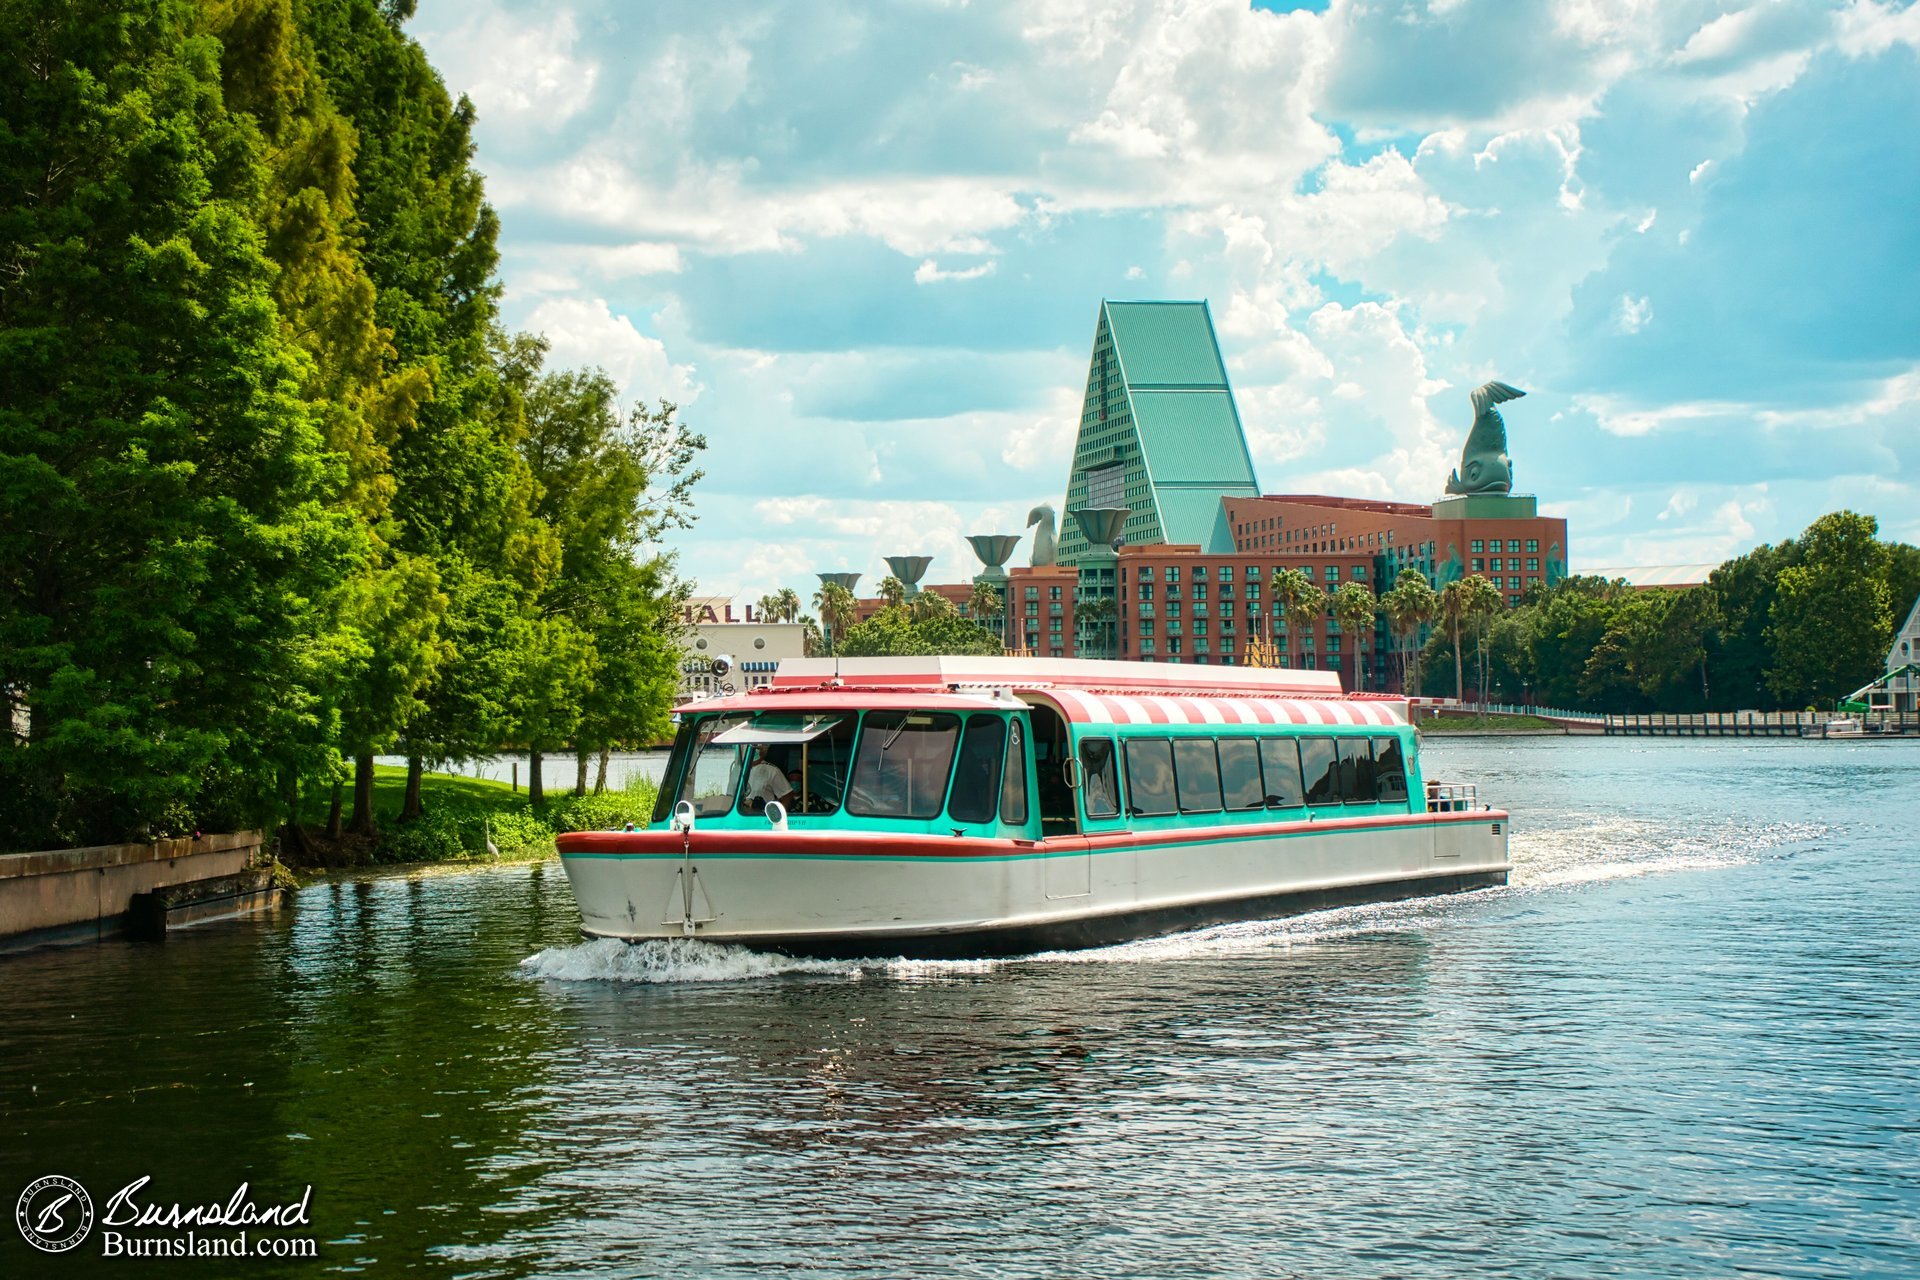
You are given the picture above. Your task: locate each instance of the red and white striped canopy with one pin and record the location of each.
(1140, 708)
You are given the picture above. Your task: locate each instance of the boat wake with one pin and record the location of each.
(669, 960)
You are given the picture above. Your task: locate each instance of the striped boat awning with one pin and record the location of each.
(1112, 708)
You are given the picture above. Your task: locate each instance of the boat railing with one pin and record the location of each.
(1453, 797)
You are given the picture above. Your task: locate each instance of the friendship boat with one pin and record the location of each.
(974, 807)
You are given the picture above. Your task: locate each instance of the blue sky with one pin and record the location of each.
(863, 244)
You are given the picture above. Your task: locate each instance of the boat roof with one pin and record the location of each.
(1085, 690)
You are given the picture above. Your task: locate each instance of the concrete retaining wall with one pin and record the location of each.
(84, 893)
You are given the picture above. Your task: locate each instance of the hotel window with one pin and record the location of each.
(1533, 564)
(1359, 573)
(1033, 593)
(1053, 593)
(1333, 644)
(1107, 486)
(1513, 584)
(1173, 573)
(1479, 545)
(1533, 544)
(1173, 644)
(1146, 591)
(1333, 573)
(1513, 544)
(1200, 589)
(1478, 565)
(1496, 566)
(1253, 573)
(1146, 573)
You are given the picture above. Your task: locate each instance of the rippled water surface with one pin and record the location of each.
(1683, 1043)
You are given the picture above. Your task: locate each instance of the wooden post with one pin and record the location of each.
(516, 775)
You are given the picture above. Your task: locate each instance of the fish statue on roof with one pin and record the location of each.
(1044, 542)
(1484, 464)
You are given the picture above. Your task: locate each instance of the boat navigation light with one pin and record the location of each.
(722, 663)
(683, 817)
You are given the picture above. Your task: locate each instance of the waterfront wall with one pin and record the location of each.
(65, 894)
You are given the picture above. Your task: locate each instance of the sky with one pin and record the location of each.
(863, 246)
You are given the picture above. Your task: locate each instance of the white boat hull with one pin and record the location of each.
(840, 893)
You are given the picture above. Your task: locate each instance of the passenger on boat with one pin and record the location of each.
(766, 781)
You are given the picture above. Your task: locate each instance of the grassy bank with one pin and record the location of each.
(461, 816)
(1445, 724)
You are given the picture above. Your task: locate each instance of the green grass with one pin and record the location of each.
(461, 815)
(481, 795)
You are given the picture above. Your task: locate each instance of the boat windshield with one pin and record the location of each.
(902, 765)
(713, 768)
(798, 758)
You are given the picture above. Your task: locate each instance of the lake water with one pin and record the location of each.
(1684, 1043)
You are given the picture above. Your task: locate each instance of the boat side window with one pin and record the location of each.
(1196, 769)
(713, 773)
(1240, 773)
(1356, 770)
(977, 777)
(670, 776)
(1013, 783)
(1102, 785)
(1320, 765)
(1280, 767)
(1150, 777)
(1389, 771)
(900, 767)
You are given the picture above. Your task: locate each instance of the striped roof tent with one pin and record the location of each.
(1096, 674)
(1112, 708)
(1097, 691)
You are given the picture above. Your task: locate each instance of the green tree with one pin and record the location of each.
(170, 511)
(1354, 607)
(895, 632)
(1455, 606)
(986, 606)
(462, 495)
(1302, 605)
(1740, 652)
(892, 590)
(839, 610)
(1831, 621)
(1410, 605)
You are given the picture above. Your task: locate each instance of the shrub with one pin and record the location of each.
(606, 812)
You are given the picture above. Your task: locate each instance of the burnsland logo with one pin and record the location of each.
(54, 1213)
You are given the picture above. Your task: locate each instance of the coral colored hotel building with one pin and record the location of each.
(1168, 546)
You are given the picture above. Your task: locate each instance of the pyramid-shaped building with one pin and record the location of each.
(1159, 433)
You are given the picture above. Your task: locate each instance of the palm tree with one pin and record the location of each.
(789, 603)
(812, 643)
(839, 610)
(984, 604)
(1484, 604)
(1301, 603)
(1354, 607)
(769, 608)
(1409, 606)
(892, 590)
(1456, 600)
(1097, 613)
(929, 604)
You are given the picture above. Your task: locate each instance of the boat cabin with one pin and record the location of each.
(1028, 749)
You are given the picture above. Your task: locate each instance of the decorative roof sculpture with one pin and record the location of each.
(1484, 464)
(1044, 542)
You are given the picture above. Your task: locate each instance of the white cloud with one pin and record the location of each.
(930, 272)
(585, 332)
(525, 74)
(1633, 314)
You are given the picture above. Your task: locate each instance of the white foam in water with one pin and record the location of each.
(671, 960)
